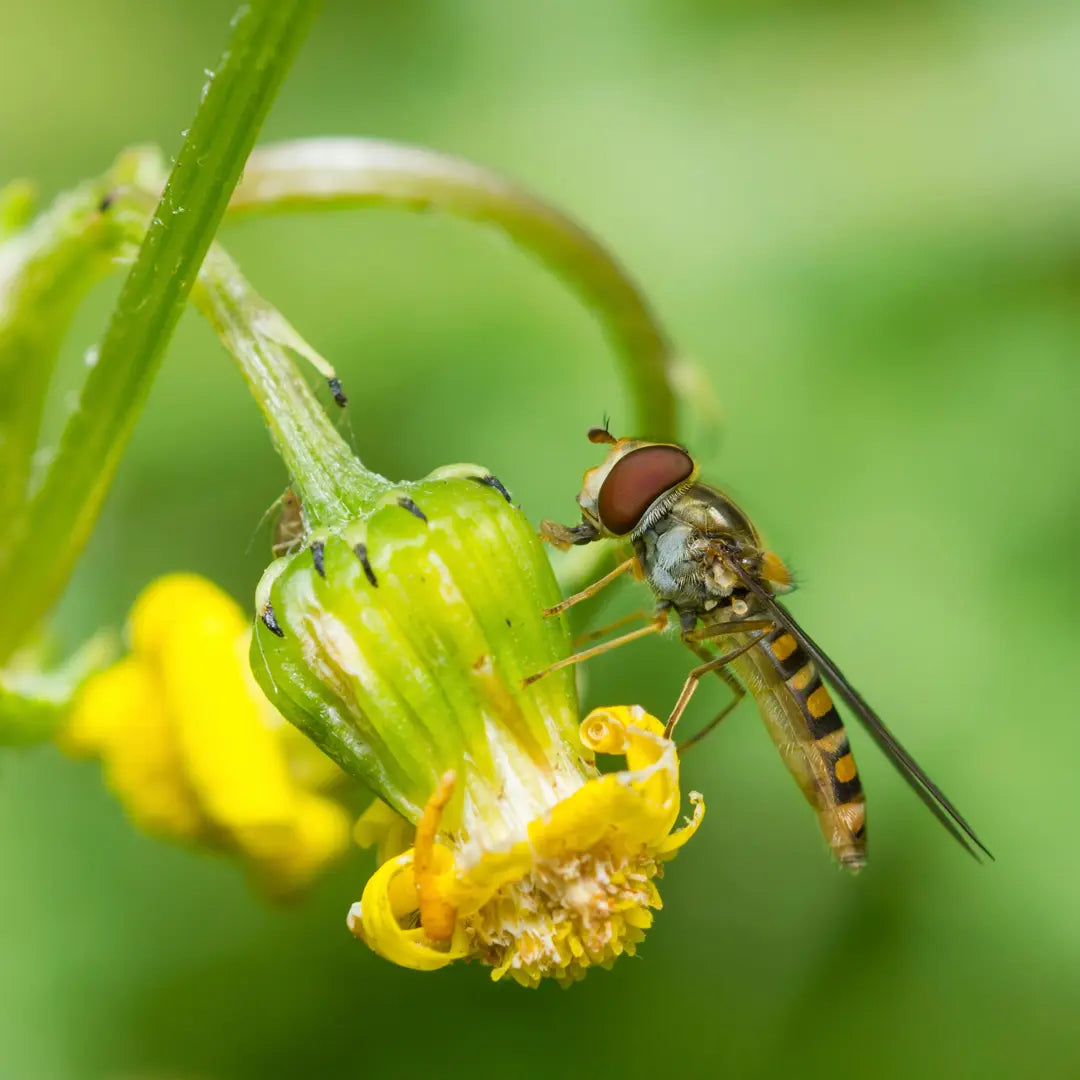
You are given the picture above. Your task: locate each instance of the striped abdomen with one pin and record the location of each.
(804, 724)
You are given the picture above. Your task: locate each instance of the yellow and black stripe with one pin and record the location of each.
(843, 801)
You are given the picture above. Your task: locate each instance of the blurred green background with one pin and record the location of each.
(864, 221)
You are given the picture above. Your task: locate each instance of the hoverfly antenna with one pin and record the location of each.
(602, 434)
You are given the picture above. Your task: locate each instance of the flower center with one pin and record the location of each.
(566, 916)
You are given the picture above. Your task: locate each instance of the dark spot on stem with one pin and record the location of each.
(407, 504)
(270, 620)
(318, 554)
(494, 482)
(106, 202)
(361, 553)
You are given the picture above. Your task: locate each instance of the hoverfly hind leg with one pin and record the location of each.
(738, 692)
(712, 663)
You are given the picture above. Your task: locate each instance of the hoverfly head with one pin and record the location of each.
(634, 478)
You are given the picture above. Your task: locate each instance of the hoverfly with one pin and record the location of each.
(707, 565)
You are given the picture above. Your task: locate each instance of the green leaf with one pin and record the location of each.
(46, 269)
(34, 701)
(48, 538)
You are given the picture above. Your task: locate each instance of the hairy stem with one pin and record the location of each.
(332, 484)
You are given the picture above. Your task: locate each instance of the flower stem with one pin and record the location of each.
(348, 172)
(332, 484)
(266, 35)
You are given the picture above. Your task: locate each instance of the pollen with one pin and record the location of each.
(567, 916)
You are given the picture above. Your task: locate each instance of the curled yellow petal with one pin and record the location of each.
(381, 917)
(576, 891)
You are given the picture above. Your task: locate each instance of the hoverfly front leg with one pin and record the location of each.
(657, 624)
(631, 565)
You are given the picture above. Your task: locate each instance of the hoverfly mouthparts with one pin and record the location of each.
(564, 537)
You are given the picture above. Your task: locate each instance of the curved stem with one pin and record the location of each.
(348, 172)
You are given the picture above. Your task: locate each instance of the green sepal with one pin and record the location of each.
(422, 671)
(35, 700)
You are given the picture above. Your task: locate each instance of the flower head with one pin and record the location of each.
(401, 644)
(192, 748)
(576, 890)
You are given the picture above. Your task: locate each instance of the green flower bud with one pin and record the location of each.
(399, 643)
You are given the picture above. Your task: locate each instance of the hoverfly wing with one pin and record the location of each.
(931, 795)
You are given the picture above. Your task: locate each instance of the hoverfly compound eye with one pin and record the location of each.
(636, 482)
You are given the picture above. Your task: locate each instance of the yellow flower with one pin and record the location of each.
(570, 888)
(192, 748)
(404, 644)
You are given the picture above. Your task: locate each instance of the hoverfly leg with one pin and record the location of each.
(738, 693)
(659, 623)
(594, 588)
(594, 635)
(715, 663)
(707, 633)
